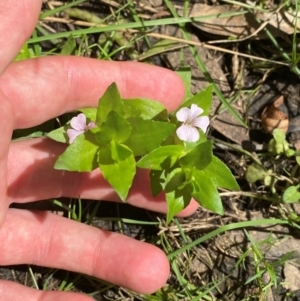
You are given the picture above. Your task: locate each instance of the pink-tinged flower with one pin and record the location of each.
(191, 121)
(79, 126)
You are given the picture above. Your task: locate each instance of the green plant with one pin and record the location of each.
(263, 267)
(179, 156)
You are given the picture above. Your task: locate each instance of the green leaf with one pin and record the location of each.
(269, 179)
(199, 157)
(146, 135)
(161, 46)
(176, 179)
(220, 174)
(206, 193)
(289, 152)
(110, 101)
(59, 135)
(178, 192)
(291, 194)
(117, 164)
(161, 158)
(255, 172)
(90, 113)
(157, 181)
(25, 53)
(82, 14)
(202, 99)
(145, 108)
(279, 135)
(130, 110)
(69, 46)
(186, 76)
(80, 155)
(114, 128)
(278, 144)
(278, 148)
(176, 201)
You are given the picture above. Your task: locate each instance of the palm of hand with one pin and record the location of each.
(32, 92)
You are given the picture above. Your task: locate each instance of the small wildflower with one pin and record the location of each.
(191, 121)
(79, 126)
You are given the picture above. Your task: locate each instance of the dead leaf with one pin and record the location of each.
(292, 277)
(297, 145)
(245, 25)
(273, 118)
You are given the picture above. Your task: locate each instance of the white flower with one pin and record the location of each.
(79, 126)
(191, 121)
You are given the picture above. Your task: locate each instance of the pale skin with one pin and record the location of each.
(37, 90)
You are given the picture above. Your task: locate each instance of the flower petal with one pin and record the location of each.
(91, 125)
(72, 134)
(187, 133)
(194, 112)
(183, 114)
(195, 109)
(79, 122)
(202, 123)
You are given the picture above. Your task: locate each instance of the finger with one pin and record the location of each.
(6, 125)
(18, 19)
(10, 291)
(43, 88)
(46, 239)
(32, 177)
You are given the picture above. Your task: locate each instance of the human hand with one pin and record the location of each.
(32, 92)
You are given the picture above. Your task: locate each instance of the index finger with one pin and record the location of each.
(41, 89)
